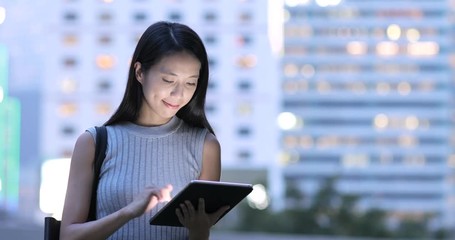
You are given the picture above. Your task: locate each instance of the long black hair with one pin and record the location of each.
(160, 40)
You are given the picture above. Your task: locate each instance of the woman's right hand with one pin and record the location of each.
(147, 200)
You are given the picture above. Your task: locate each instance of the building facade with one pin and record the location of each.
(10, 120)
(90, 44)
(367, 98)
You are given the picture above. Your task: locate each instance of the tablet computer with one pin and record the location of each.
(215, 194)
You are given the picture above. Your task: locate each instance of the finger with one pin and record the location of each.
(152, 203)
(190, 207)
(201, 206)
(216, 215)
(184, 210)
(169, 187)
(179, 216)
(165, 195)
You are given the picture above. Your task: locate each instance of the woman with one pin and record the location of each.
(159, 140)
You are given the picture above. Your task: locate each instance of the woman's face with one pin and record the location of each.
(167, 86)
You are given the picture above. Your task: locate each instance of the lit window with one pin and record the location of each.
(306, 141)
(381, 121)
(423, 48)
(383, 88)
(290, 141)
(247, 61)
(68, 85)
(357, 48)
(290, 70)
(307, 70)
(103, 108)
(387, 48)
(244, 109)
(407, 141)
(404, 88)
(290, 87)
(70, 40)
(67, 109)
(323, 86)
(411, 122)
(413, 35)
(105, 61)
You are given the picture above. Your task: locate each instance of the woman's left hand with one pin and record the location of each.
(198, 221)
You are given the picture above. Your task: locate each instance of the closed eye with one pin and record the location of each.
(167, 81)
(191, 84)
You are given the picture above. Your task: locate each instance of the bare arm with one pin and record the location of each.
(198, 221)
(77, 201)
(211, 159)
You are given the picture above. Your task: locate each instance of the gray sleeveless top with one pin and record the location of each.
(137, 157)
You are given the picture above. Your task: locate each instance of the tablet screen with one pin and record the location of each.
(215, 194)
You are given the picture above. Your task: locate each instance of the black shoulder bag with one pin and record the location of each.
(51, 225)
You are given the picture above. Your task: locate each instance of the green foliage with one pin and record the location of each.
(330, 214)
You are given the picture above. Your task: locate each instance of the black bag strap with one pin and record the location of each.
(51, 228)
(100, 154)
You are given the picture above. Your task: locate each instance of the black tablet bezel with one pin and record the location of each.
(215, 194)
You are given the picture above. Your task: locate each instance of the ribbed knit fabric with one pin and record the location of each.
(137, 157)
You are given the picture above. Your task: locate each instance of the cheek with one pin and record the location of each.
(190, 94)
(152, 90)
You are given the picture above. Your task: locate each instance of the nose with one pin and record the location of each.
(177, 91)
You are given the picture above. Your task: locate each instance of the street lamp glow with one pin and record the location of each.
(2, 14)
(2, 95)
(287, 120)
(326, 3)
(258, 197)
(54, 179)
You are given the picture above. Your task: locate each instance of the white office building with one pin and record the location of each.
(368, 97)
(89, 45)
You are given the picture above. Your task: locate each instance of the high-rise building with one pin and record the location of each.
(90, 47)
(367, 97)
(9, 140)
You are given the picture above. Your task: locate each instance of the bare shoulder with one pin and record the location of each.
(85, 147)
(211, 160)
(211, 142)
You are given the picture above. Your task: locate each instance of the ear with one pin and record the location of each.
(138, 72)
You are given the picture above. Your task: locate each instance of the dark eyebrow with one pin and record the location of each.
(173, 74)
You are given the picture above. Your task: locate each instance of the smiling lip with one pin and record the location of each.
(170, 105)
